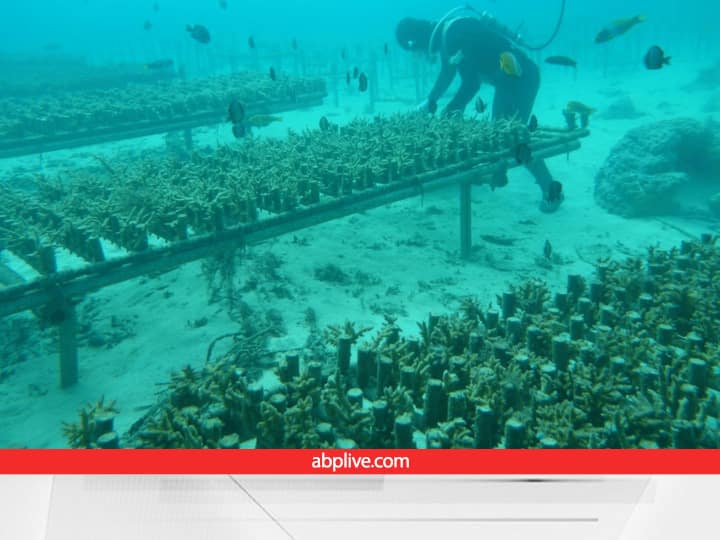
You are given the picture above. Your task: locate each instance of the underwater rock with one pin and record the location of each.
(331, 273)
(714, 205)
(706, 79)
(653, 165)
(712, 104)
(621, 109)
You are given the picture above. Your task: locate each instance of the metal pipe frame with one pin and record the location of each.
(62, 141)
(78, 282)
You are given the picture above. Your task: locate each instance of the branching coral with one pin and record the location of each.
(334, 332)
(639, 374)
(210, 193)
(94, 421)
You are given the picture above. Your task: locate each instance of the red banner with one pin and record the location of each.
(384, 462)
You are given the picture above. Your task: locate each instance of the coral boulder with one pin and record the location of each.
(661, 168)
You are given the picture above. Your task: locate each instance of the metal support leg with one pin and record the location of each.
(373, 72)
(334, 83)
(416, 77)
(465, 220)
(68, 348)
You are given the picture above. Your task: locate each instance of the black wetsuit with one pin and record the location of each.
(480, 47)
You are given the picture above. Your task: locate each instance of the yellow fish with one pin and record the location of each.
(263, 120)
(510, 65)
(579, 108)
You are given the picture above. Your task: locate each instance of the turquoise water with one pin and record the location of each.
(112, 31)
(127, 145)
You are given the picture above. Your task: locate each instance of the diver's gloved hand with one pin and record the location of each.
(426, 107)
(423, 107)
(552, 198)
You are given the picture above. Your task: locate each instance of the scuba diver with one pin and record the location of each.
(481, 50)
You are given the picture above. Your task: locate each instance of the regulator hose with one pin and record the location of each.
(552, 36)
(498, 27)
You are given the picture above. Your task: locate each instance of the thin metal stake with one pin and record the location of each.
(68, 347)
(465, 220)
